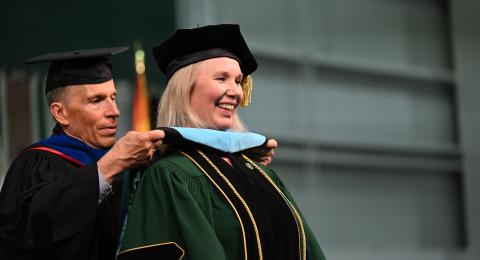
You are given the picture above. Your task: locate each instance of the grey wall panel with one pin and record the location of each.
(396, 31)
(376, 109)
(350, 208)
(393, 31)
(466, 37)
(346, 106)
(281, 28)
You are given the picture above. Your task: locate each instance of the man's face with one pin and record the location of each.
(91, 114)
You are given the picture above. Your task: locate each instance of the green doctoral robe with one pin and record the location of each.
(184, 209)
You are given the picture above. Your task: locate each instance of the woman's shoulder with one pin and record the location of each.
(176, 170)
(174, 163)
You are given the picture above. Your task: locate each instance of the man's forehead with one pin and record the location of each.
(105, 88)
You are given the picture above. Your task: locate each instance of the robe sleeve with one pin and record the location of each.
(314, 252)
(166, 220)
(45, 200)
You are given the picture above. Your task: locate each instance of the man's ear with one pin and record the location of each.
(60, 113)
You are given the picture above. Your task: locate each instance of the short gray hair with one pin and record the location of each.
(56, 95)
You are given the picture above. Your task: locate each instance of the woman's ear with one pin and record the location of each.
(60, 113)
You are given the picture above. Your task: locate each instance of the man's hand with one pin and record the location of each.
(135, 148)
(264, 154)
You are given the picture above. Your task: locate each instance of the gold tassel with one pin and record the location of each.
(247, 87)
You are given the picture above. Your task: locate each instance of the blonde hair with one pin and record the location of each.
(174, 108)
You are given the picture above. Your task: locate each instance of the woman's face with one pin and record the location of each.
(217, 92)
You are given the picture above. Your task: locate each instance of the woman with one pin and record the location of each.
(204, 199)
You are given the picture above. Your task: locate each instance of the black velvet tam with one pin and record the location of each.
(188, 46)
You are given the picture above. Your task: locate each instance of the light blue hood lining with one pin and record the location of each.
(227, 141)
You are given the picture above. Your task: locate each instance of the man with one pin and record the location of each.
(57, 200)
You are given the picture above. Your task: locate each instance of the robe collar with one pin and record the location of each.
(61, 143)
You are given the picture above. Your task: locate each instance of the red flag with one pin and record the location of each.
(141, 104)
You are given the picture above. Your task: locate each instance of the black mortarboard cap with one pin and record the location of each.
(187, 46)
(92, 66)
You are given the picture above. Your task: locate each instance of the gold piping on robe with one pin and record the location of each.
(226, 197)
(230, 185)
(160, 244)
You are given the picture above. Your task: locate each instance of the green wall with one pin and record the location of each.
(30, 28)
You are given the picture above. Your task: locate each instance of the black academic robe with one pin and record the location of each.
(49, 210)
